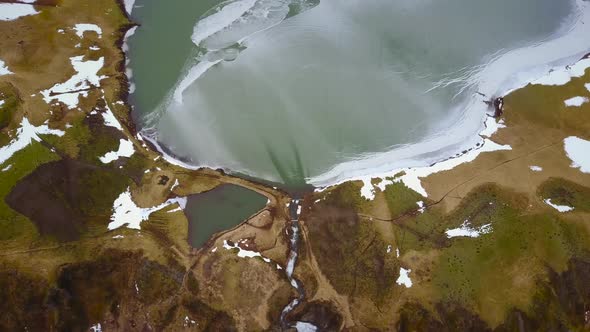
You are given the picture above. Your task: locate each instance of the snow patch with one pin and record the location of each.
(78, 85)
(12, 11)
(126, 212)
(4, 69)
(421, 207)
(176, 184)
(536, 168)
(404, 277)
(578, 150)
(411, 176)
(25, 134)
(560, 208)
(243, 253)
(125, 150)
(83, 27)
(576, 101)
(96, 328)
(467, 231)
(305, 327)
(492, 126)
(561, 76)
(110, 119)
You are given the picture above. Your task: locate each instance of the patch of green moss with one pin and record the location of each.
(499, 270)
(9, 106)
(544, 105)
(564, 192)
(156, 282)
(76, 136)
(352, 253)
(100, 189)
(401, 199)
(347, 195)
(12, 224)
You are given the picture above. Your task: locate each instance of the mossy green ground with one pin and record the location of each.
(14, 226)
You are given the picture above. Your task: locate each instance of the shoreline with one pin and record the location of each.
(434, 151)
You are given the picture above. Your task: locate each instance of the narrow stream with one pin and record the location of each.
(294, 211)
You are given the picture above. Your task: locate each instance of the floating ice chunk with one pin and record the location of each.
(467, 231)
(223, 18)
(4, 69)
(193, 75)
(404, 277)
(12, 11)
(83, 27)
(305, 327)
(25, 134)
(576, 101)
(578, 150)
(492, 126)
(536, 168)
(125, 150)
(126, 212)
(78, 85)
(560, 208)
(561, 76)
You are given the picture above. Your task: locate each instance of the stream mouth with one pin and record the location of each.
(302, 92)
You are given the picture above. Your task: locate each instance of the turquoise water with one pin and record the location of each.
(286, 90)
(220, 209)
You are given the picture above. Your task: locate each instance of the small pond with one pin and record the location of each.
(220, 209)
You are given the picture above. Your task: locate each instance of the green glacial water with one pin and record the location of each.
(220, 209)
(298, 91)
